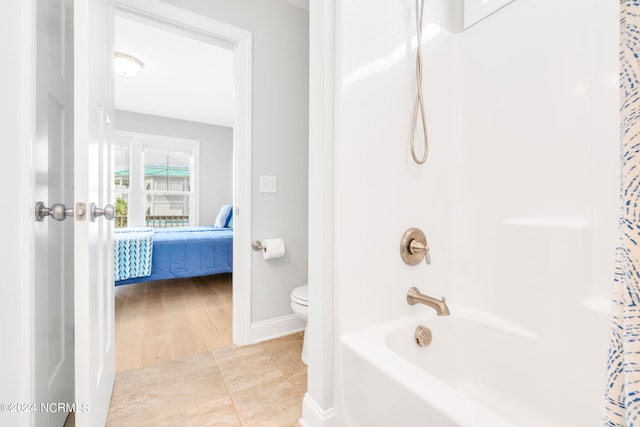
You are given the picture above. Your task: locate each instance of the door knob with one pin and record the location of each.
(58, 211)
(109, 212)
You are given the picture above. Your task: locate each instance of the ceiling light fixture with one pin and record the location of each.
(126, 65)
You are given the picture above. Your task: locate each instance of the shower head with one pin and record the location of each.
(448, 14)
(457, 15)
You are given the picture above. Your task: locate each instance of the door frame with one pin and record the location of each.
(19, 307)
(182, 21)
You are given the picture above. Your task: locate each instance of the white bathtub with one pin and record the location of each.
(478, 371)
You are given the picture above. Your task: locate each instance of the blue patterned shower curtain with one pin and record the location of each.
(622, 406)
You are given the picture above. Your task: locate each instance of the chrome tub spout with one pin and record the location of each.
(439, 305)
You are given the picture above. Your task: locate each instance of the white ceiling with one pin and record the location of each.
(182, 78)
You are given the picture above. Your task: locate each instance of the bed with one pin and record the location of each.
(144, 255)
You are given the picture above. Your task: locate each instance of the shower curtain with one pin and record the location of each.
(622, 395)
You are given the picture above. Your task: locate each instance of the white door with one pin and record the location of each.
(52, 160)
(94, 300)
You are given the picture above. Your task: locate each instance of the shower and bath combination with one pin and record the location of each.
(413, 249)
(458, 16)
(503, 233)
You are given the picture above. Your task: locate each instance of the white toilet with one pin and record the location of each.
(300, 306)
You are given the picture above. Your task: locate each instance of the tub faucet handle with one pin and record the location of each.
(416, 247)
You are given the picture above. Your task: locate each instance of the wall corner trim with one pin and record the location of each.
(314, 416)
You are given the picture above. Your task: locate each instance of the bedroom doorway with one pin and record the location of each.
(221, 301)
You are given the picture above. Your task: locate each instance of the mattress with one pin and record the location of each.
(188, 252)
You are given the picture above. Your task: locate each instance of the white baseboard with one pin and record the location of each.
(274, 328)
(314, 416)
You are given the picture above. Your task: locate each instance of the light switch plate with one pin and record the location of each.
(268, 184)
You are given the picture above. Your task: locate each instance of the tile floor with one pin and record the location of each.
(257, 385)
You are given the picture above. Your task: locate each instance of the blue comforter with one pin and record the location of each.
(189, 252)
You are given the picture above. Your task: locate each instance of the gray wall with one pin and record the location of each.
(216, 153)
(280, 39)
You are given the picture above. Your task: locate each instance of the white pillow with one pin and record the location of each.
(223, 216)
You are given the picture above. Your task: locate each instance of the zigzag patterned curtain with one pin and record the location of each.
(622, 404)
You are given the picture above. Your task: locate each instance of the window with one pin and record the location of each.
(154, 180)
(122, 171)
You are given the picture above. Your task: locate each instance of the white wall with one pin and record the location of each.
(389, 193)
(280, 35)
(520, 127)
(216, 155)
(518, 199)
(542, 111)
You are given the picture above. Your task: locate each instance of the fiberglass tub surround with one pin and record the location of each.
(518, 199)
(482, 369)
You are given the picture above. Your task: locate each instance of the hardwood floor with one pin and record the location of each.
(171, 319)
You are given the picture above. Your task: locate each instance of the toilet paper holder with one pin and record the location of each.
(270, 248)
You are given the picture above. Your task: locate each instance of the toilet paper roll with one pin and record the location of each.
(272, 248)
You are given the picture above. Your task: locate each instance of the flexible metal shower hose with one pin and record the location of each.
(418, 109)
